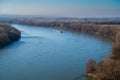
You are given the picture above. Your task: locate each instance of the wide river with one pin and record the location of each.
(47, 54)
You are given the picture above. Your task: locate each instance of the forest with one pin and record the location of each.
(106, 27)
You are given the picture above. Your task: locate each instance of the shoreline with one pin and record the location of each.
(107, 27)
(8, 34)
(109, 68)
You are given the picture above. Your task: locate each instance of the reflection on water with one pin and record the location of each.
(46, 54)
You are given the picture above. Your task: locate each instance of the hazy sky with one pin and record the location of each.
(61, 7)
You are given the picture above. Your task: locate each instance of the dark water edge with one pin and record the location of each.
(46, 54)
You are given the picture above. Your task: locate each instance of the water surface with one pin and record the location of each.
(46, 54)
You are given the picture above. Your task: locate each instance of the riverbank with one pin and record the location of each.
(8, 34)
(108, 69)
(105, 27)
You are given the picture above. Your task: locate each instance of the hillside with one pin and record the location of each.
(8, 34)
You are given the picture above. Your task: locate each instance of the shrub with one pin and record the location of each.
(116, 47)
(91, 66)
(109, 70)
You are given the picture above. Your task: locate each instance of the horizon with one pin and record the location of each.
(69, 8)
(48, 16)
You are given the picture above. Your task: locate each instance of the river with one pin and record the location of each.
(47, 54)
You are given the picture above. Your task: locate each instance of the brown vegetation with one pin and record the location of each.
(116, 47)
(107, 27)
(108, 69)
(91, 66)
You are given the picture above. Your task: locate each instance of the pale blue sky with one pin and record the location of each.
(61, 7)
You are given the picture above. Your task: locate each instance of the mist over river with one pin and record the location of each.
(47, 54)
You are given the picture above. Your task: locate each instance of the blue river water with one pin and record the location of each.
(47, 54)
